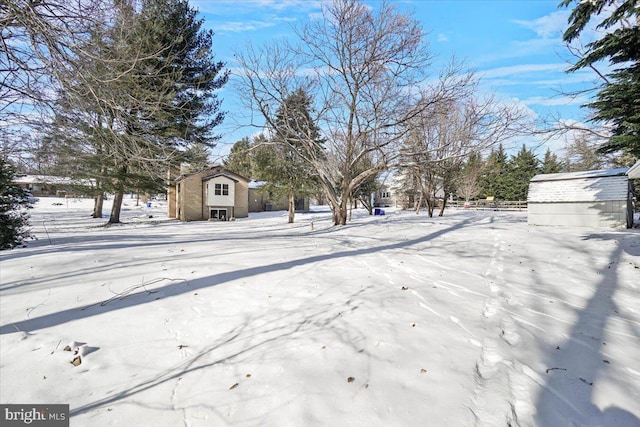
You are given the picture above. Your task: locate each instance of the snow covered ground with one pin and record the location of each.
(397, 320)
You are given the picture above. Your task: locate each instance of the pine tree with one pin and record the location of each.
(494, 178)
(551, 164)
(283, 162)
(523, 167)
(13, 202)
(239, 159)
(618, 101)
(142, 116)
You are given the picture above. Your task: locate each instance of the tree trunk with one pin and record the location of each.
(430, 206)
(418, 204)
(98, 202)
(117, 206)
(341, 215)
(444, 204)
(292, 207)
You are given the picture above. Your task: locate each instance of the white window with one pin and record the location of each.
(222, 190)
(386, 194)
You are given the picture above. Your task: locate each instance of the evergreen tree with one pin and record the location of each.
(283, 161)
(494, 178)
(523, 167)
(551, 164)
(239, 159)
(13, 202)
(618, 101)
(140, 118)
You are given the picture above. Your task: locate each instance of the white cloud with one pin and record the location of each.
(549, 26)
(442, 38)
(241, 26)
(515, 70)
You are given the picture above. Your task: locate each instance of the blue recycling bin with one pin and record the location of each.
(378, 211)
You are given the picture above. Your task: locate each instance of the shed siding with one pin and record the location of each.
(609, 214)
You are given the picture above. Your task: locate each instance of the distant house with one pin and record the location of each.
(48, 185)
(601, 198)
(217, 194)
(396, 195)
(260, 201)
(384, 197)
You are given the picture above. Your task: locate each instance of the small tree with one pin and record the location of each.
(551, 164)
(13, 204)
(239, 159)
(468, 183)
(282, 160)
(522, 167)
(494, 178)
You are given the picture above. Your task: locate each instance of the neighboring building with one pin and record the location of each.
(634, 171)
(601, 198)
(384, 197)
(396, 195)
(216, 194)
(260, 201)
(54, 186)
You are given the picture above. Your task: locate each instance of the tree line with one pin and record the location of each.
(123, 91)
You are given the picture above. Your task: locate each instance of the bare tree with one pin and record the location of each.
(450, 130)
(364, 68)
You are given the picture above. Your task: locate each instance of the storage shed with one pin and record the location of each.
(601, 198)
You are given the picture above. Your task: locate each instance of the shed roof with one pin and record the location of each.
(592, 189)
(580, 175)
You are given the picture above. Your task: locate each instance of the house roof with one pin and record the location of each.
(213, 172)
(580, 175)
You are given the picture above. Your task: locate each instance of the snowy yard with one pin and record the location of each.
(397, 320)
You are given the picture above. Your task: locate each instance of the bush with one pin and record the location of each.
(14, 201)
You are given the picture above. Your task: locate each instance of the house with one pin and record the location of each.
(383, 197)
(397, 194)
(216, 193)
(601, 198)
(260, 201)
(48, 185)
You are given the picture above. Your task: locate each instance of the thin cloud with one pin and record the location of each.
(556, 101)
(242, 26)
(516, 70)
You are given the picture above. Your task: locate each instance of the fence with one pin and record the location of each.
(496, 205)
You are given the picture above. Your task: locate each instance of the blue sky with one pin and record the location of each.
(514, 46)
